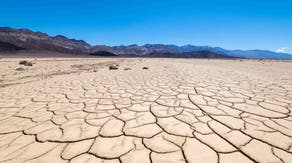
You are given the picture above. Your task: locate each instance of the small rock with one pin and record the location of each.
(145, 68)
(94, 70)
(28, 64)
(20, 69)
(25, 63)
(22, 62)
(126, 69)
(113, 67)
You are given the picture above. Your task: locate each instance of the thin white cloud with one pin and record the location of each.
(282, 50)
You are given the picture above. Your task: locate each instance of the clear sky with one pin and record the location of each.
(231, 24)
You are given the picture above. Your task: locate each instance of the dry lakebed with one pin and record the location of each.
(144, 110)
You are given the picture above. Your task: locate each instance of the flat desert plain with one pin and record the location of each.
(178, 110)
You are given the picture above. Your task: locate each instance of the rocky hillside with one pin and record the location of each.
(4, 46)
(30, 40)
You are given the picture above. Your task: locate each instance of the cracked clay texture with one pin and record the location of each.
(178, 110)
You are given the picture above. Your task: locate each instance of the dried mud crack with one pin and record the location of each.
(176, 111)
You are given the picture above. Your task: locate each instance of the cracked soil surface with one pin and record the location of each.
(178, 110)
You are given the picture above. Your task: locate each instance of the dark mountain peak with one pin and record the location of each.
(133, 45)
(159, 45)
(60, 37)
(187, 45)
(22, 31)
(64, 38)
(8, 29)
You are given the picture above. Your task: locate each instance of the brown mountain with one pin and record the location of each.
(30, 40)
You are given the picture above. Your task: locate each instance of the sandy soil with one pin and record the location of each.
(178, 110)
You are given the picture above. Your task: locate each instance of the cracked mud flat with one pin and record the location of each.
(179, 110)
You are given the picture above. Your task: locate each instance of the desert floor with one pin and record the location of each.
(177, 110)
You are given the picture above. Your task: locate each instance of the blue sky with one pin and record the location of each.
(231, 24)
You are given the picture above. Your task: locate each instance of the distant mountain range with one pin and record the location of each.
(24, 39)
(30, 40)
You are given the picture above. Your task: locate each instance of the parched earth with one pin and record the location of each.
(178, 110)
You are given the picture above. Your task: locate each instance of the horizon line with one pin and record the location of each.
(143, 44)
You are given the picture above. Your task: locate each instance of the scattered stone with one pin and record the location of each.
(112, 67)
(20, 69)
(145, 68)
(25, 63)
(94, 70)
(126, 69)
(22, 62)
(28, 64)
